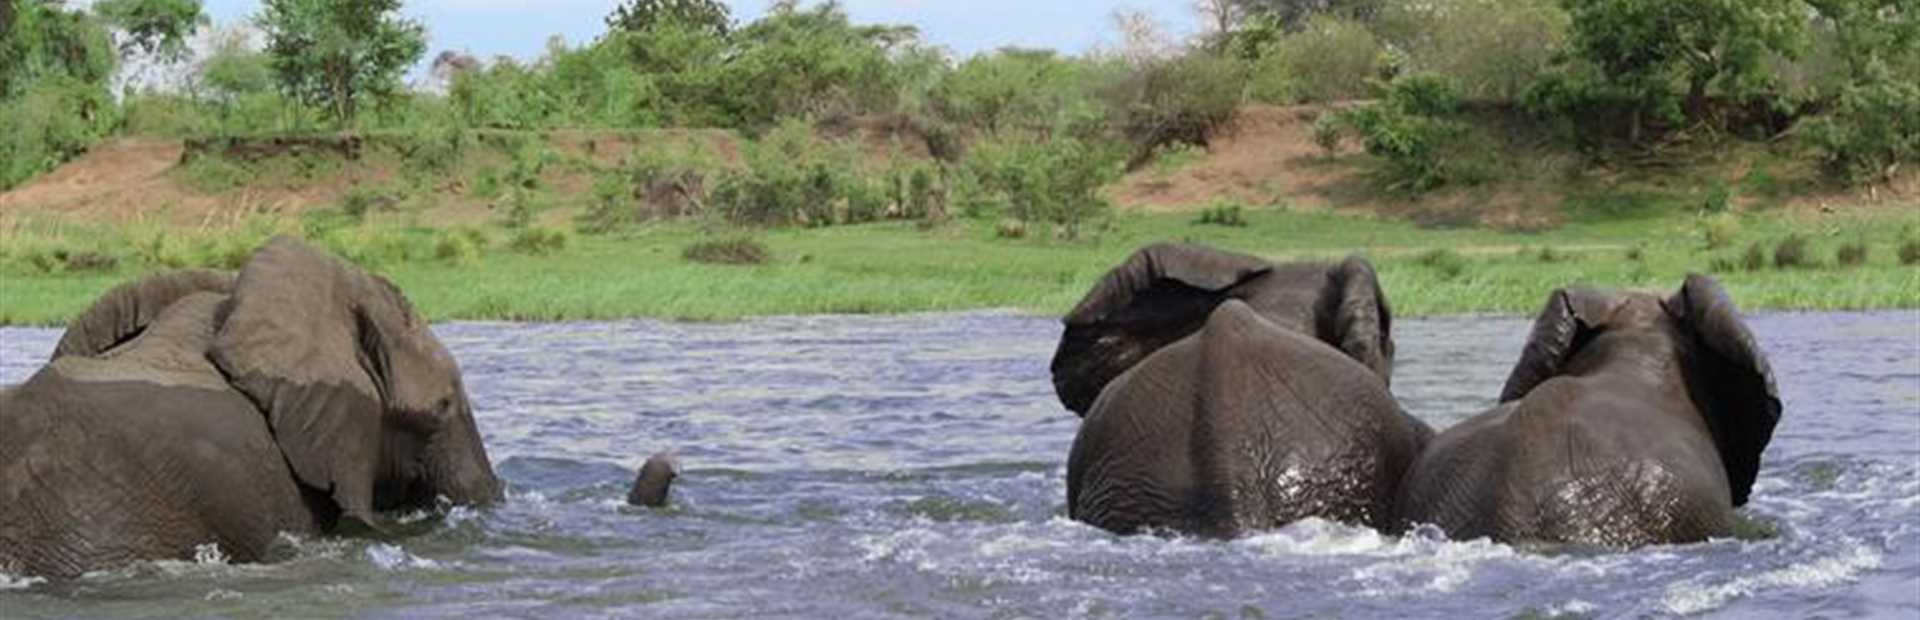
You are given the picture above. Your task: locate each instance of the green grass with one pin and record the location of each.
(898, 267)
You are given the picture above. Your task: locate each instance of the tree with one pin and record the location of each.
(706, 16)
(153, 26)
(1293, 14)
(333, 54)
(1641, 46)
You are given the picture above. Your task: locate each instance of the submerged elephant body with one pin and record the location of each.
(178, 412)
(1629, 420)
(1230, 395)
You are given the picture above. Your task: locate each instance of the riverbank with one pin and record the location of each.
(902, 267)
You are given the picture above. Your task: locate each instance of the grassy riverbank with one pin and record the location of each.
(899, 267)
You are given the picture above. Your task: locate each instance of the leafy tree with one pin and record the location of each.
(334, 54)
(1640, 47)
(1293, 14)
(704, 16)
(54, 67)
(153, 26)
(811, 62)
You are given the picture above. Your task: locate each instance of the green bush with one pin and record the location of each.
(1851, 254)
(1719, 230)
(1447, 263)
(1057, 181)
(460, 246)
(1411, 131)
(790, 179)
(734, 251)
(538, 240)
(1792, 252)
(1222, 213)
(1910, 252)
(1755, 258)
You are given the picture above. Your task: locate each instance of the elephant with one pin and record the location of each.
(654, 481)
(1223, 394)
(1629, 420)
(189, 408)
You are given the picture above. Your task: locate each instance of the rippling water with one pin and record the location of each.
(913, 466)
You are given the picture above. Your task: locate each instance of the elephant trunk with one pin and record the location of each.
(457, 464)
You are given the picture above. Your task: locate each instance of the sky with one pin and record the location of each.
(520, 28)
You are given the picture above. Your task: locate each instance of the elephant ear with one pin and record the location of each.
(310, 340)
(1362, 322)
(1570, 319)
(125, 312)
(1729, 379)
(1161, 294)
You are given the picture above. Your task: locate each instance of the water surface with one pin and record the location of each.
(857, 467)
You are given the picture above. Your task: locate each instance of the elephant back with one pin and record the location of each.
(124, 313)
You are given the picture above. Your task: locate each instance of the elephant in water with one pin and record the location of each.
(654, 481)
(198, 407)
(1629, 420)
(1222, 393)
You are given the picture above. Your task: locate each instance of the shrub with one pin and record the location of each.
(1411, 131)
(1719, 198)
(1010, 229)
(538, 240)
(1222, 213)
(1447, 263)
(1327, 133)
(1637, 253)
(460, 246)
(734, 251)
(360, 201)
(1057, 181)
(1851, 254)
(1755, 258)
(1791, 252)
(1718, 231)
(610, 208)
(1910, 252)
(790, 179)
(1546, 254)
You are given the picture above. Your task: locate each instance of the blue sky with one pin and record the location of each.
(521, 27)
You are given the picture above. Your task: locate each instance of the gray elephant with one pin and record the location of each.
(1222, 393)
(654, 482)
(1629, 420)
(197, 407)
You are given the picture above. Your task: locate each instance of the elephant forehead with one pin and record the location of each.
(89, 370)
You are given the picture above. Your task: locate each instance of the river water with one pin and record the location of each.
(858, 467)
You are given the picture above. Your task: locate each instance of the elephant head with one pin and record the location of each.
(654, 480)
(363, 400)
(1725, 375)
(1165, 292)
(124, 313)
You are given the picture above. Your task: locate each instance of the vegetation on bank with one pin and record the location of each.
(887, 267)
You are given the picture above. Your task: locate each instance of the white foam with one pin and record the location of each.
(1691, 597)
(209, 554)
(222, 594)
(392, 557)
(18, 582)
(1575, 607)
